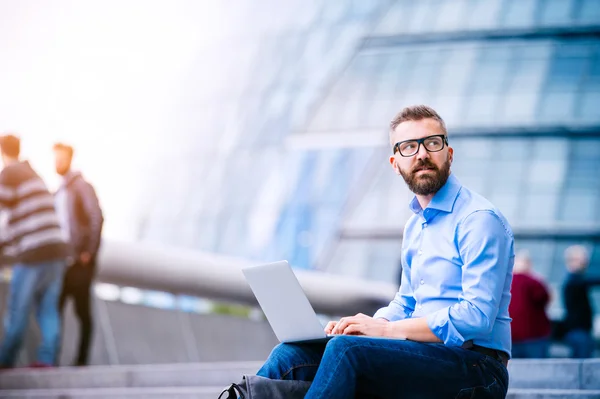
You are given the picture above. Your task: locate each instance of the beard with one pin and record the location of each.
(429, 183)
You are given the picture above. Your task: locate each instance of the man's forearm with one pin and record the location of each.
(413, 329)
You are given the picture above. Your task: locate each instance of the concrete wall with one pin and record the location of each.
(128, 334)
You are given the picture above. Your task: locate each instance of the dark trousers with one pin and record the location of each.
(77, 284)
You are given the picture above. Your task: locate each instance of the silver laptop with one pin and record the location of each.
(283, 301)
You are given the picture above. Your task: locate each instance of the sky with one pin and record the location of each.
(104, 76)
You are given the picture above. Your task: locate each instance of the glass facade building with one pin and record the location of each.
(284, 153)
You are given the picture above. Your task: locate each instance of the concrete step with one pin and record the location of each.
(529, 379)
(553, 394)
(168, 375)
(115, 393)
(213, 393)
(555, 373)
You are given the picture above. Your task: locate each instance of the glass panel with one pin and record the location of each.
(397, 19)
(451, 14)
(579, 206)
(548, 163)
(557, 107)
(528, 71)
(590, 106)
(424, 76)
(556, 12)
(589, 12)
(592, 79)
(565, 71)
(539, 209)
(487, 81)
(518, 13)
(483, 14)
(383, 105)
(421, 18)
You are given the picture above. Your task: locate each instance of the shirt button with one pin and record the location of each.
(419, 306)
(420, 252)
(424, 224)
(422, 281)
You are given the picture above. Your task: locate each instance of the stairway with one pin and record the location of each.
(530, 379)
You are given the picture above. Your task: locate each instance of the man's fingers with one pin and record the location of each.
(341, 325)
(344, 323)
(353, 329)
(329, 327)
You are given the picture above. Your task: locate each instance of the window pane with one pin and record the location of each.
(565, 71)
(450, 15)
(397, 19)
(483, 13)
(556, 12)
(420, 20)
(539, 210)
(557, 107)
(518, 13)
(589, 111)
(589, 12)
(579, 206)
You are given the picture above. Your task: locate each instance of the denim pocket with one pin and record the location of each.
(494, 390)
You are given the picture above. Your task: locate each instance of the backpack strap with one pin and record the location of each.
(233, 392)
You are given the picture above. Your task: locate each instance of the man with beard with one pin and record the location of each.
(446, 334)
(81, 222)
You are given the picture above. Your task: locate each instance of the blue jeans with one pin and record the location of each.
(533, 349)
(33, 286)
(581, 343)
(350, 366)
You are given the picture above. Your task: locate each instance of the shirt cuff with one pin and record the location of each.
(442, 327)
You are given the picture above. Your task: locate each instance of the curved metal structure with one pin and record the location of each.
(212, 276)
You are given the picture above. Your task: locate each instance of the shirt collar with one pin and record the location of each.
(444, 199)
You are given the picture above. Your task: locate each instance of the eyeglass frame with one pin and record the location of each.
(396, 147)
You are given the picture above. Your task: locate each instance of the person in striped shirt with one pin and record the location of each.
(35, 243)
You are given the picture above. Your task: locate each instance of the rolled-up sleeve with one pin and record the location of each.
(486, 248)
(403, 304)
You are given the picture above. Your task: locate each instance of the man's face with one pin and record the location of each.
(425, 172)
(62, 161)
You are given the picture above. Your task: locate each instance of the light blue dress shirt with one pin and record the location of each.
(457, 259)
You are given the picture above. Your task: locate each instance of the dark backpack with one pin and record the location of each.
(255, 387)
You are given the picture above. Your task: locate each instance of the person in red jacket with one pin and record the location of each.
(530, 326)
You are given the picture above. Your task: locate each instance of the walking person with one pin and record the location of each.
(81, 221)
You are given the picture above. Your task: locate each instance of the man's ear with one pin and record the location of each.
(395, 165)
(450, 154)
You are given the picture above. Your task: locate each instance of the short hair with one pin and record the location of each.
(417, 113)
(10, 145)
(579, 254)
(64, 147)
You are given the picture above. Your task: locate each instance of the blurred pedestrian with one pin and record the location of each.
(38, 253)
(578, 321)
(81, 221)
(530, 328)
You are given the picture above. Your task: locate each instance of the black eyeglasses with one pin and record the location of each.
(408, 148)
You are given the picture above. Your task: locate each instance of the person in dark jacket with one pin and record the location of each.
(81, 221)
(36, 248)
(530, 327)
(579, 312)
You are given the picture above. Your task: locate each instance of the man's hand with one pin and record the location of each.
(329, 327)
(85, 258)
(360, 324)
